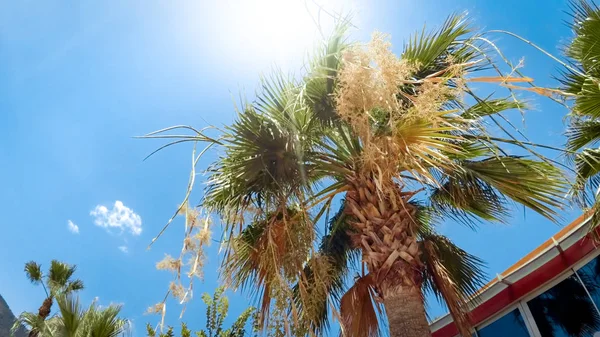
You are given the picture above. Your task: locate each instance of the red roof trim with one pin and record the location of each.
(524, 286)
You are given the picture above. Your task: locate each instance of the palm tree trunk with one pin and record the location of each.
(406, 313)
(43, 313)
(385, 231)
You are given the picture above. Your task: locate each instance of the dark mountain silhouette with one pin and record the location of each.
(7, 318)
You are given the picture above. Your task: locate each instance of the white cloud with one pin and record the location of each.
(120, 217)
(73, 228)
(124, 249)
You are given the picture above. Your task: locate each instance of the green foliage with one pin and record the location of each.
(150, 331)
(33, 271)
(74, 321)
(217, 308)
(57, 280)
(580, 81)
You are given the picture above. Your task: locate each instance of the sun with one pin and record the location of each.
(278, 32)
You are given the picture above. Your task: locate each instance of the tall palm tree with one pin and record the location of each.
(57, 281)
(75, 321)
(580, 84)
(403, 144)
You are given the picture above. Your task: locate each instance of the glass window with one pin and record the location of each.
(590, 276)
(565, 310)
(511, 324)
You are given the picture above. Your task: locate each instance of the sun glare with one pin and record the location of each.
(263, 32)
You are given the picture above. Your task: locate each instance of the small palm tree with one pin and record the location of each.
(57, 281)
(580, 84)
(73, 321)
(397, 143)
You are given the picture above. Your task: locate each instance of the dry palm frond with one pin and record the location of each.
(359, 309)
(268, 255)
(454, 298)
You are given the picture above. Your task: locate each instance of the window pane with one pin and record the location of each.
(511, 325)
(590, 275)
(565, 310)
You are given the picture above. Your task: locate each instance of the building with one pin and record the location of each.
(554, 291)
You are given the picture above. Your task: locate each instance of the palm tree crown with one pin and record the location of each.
(58, 281)
(402, 143)
(75, 321)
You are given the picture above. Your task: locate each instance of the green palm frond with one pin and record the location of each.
(319, 87)
(467, 199)
(452, 275)
(587, 181)
(59, 275)
(572, 82)
(74, 285)
(537, 185)
(584, 53)
(71, 315)
(266, 150)
(33, 271)
(489, 107)
(582, 133)
(260, 161)
(587, 102)
(432, 51)
(33, 322)
(584, 48)
(105, 322)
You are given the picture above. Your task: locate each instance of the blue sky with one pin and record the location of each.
(79, 79)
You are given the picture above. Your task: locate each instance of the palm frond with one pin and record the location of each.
(319, 83)
(33, 322)
(572, 82)
(432, 51)
(582, 78)
(587, 181)
(359, 310)
(467, 199)
(104, 322)
(33, 271)
(71, 315)
(582, 133)
(587, 102)
(491, 107)
(74, 285)
(268, 253)
(452, 275)
(537, 185)
(335, 247)
(584, 48)
(59, 275)
(267, 150)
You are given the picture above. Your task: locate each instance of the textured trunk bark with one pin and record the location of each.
(385, 231)
(406, 313)
(43, 313)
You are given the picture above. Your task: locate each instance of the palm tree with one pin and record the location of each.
(74, 321)
(580, 81)
(57, 281)
(395, 140)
